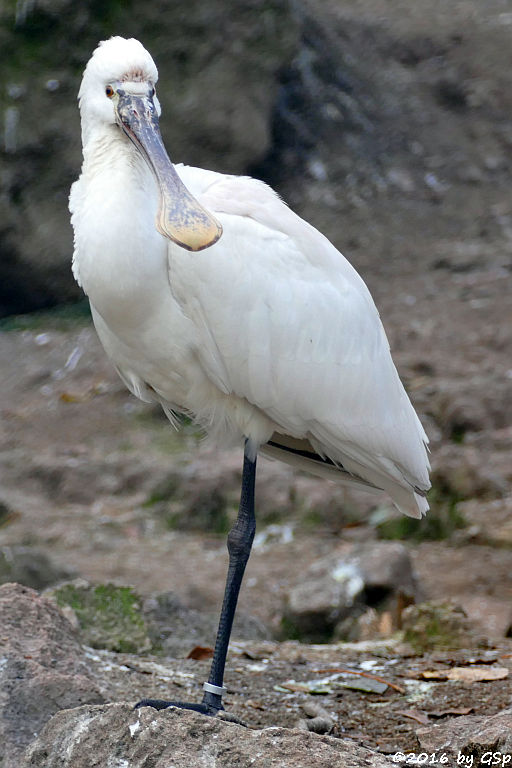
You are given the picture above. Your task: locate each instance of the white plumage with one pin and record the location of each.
(268, 334)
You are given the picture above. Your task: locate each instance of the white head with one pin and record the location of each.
(117, 99)
(114, 62)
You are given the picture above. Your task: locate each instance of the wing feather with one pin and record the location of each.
(289, 326)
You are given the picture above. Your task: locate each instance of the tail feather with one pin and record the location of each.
(301, 454)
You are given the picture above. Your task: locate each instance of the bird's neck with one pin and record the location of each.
(119, 255)
(109, 151)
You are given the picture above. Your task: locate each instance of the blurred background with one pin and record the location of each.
(388, 125)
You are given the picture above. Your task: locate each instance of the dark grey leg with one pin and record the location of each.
(240, 540)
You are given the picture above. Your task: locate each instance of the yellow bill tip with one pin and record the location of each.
(190, 226)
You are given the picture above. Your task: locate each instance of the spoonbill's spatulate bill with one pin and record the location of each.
(215, 300)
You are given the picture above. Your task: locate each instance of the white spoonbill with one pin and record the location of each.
(212, 298)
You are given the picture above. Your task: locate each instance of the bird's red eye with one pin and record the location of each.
(109, 91)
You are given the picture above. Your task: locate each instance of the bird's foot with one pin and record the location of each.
(204, 709)
(229, 717)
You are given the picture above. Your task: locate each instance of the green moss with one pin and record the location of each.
(271, 516)
(109, 616)
(289, 630)
(62, 318)
(313, 519)
(185, 505)
(208, 511)
(438, 626)
(441, 521)
(165, 490)
(458, 433)
(164, 437)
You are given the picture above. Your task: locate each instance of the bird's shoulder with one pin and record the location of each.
(231, 194)
(275, 258)
(292, 296)
(261, 224)
(249, 199)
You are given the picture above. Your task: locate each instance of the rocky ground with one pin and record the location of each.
(402, 156)
(98, 486)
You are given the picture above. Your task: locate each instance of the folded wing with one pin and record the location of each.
(286, 323)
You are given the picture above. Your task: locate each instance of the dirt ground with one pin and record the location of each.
(80, 460)
(81, 457)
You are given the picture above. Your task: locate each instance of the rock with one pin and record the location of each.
(459, 473)
(471, 735)
(479, 404)
(30, 567)
(218, 68)
(458, 412)
(263, 80)
(204, 493)
(369, 625)
(83, 479)
(41, 670)
(401, 179)
(493, 614)
(190, 501)
(472, 174)
(439, 625)
(7, 515)
(115, 618)
(460, 256)
(318, 719)
(386, 568)
(175, 629)
(344, 584)
(116, 735)
(489, 522)
(108, 616)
